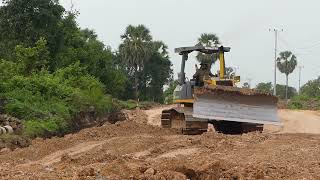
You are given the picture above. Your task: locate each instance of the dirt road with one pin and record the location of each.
(134, 149)
(299, 121)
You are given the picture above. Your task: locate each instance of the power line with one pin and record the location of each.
(309, 49)
(298, 53)
(289, 47)
(311, 46)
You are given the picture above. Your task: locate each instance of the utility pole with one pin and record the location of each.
(300, 69)
(276, 33)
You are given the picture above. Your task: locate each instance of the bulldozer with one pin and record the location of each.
(216, 99)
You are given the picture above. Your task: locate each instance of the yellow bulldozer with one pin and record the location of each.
(215, 99)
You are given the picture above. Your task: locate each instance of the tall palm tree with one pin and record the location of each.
(286, 64)
(208, 40)
(135, 50)
(161, 48)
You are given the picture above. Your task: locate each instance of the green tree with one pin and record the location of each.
(101, 63)
(208, 40)
(285, 92)
(286, 64)
(168, 93)
(311, 89)
(32, 59)
(135, 51)
(25, 22)
(281, 89)
(156, 74)
(265, 87)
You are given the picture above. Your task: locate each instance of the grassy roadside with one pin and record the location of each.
(304, 103)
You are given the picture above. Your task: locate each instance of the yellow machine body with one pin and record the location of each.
(216, 99)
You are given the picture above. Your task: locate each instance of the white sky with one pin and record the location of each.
(243, 25)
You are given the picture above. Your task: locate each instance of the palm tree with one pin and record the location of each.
(161, 48)
(135, 50)
(208, 40)
(286, 64)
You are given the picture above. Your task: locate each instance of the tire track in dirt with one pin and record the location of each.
(73, 151)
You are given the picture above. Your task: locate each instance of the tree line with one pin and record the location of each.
(51, 70)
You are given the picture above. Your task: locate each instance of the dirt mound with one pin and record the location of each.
(13, 141)
(133, 149)
(138, 116)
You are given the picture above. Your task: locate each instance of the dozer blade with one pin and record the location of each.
(235, 104)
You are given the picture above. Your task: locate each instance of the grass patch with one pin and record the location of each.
(129, 105)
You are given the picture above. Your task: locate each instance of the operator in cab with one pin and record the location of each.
(202, 74)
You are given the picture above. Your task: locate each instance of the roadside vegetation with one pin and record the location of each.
(307, 99)
(51, 70)
(309, 96)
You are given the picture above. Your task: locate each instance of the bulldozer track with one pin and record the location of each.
(183, 122)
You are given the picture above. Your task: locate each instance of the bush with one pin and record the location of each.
(304, 102)
(311, 88)
(48, 102)
(295, 105)
(46, 128)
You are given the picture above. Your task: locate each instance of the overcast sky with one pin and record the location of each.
(242, 25)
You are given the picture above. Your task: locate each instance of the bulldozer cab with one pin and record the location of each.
(204, 76)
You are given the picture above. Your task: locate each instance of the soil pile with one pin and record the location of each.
(133, 149)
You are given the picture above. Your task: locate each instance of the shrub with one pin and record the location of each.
(295, 105)
(48, 101)
(304, 102)
(46, 128)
